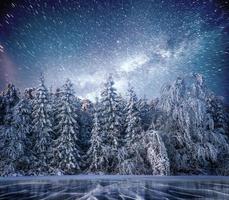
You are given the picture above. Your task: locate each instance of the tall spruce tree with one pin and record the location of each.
(97, 154)
(10, 151)
(134, 129)
(130, 159)
(22, 125)
(67, 151)
(42, 128)
(16, 141)
(111, 119)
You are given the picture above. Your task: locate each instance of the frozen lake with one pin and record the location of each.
(114, 187)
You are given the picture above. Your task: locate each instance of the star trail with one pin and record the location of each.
(143, 42)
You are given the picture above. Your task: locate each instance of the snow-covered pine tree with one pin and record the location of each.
(41, 128)
(111, 115)
(157, 154)
(8, 151)
(134, 131)
(67, 159)
(22, 124)
(16, 143)
(97, 153)
(130, 159)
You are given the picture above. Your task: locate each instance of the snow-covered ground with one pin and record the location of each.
(114, 187)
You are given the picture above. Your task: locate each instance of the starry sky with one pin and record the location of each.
(146, 43)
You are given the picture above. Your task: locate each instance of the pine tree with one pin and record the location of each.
(22, 124)
(130, 160)
(42, 128)
(134, 131)
(111, 122)
(111, 113)
(67, 151)
(9, 150)
(15, 141)
(97, 154)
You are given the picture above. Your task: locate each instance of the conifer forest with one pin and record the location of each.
(182, 132)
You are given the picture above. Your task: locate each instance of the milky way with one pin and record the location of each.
(143, 42)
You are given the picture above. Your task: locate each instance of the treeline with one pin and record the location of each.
(185, 131)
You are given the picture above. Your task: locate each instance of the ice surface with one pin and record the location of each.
(92, 187)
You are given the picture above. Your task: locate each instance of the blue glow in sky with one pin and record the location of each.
(144, 42)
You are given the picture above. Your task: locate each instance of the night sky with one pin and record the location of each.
(143, 42)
